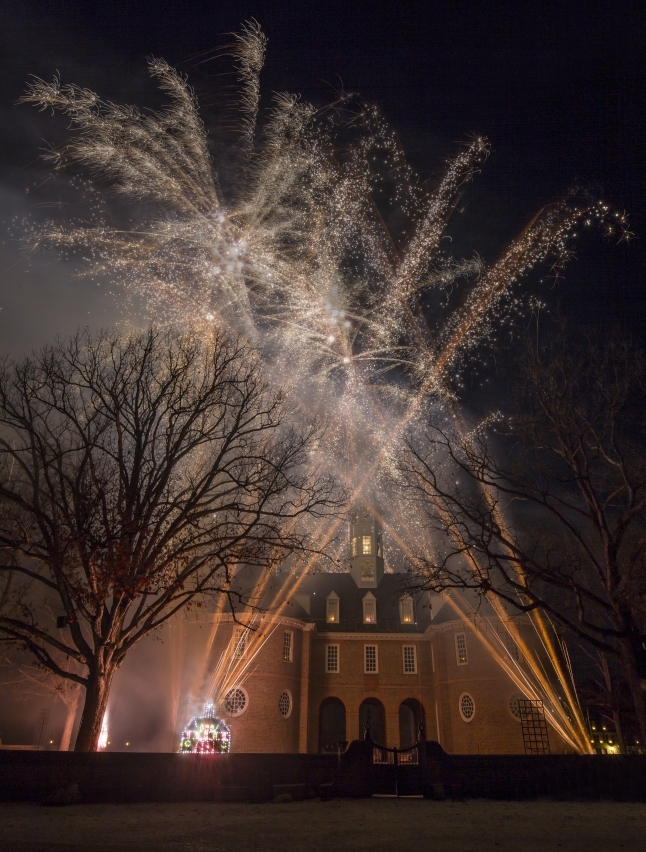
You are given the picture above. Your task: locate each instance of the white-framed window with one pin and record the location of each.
(370, 659)
(288, 646)
(406, 612)
(461, 649)
(332, 608)
(366, 545)
(331, 658)
(369, 609)
(239, 642)
(509, 643)
(410, 659)
(467, 707)
(236, 701)
(355, 546)
(285, 703)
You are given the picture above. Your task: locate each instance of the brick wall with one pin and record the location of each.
(261, 727)
(437, 685)
(352, 686)
(493, 729)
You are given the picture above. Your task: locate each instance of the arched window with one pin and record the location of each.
(373, 712)
(331, 724)
(411, 715)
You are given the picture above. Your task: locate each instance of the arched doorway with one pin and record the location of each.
(373, 712)
(411, 713)
(331, 724)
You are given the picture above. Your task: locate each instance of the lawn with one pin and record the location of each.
(400, 825)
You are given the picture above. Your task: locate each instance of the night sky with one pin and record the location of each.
(558, 87)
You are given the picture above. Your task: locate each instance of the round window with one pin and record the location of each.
(285, 703)
(467, 707)
(514, 706)
(235, 701)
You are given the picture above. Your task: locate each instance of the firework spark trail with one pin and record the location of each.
(249, 50)
(302, 263)
(540, 686)
(577, 726)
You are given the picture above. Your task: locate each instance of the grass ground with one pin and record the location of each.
(379, 825)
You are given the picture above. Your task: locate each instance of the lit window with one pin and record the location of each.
(467, 707)
(285, 703)
(406, 615)
(287, 646)
(461, 649)
(410, 659)
(369, 609)
(332, 658)
(332, 613)
(366, 545)
(235, 701)
(239, 642)
(370, 659)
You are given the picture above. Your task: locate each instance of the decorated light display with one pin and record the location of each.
(206, 734)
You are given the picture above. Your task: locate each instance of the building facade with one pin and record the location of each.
(353, 649)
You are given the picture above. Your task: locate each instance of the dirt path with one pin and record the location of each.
(379, 825)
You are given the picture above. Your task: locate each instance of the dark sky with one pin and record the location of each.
(558, 87)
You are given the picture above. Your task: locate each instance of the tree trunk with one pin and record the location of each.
(616, 719)
(69, 722)
(614, 701)
(96, 702)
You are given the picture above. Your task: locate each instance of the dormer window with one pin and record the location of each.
(332, 608)
(366, 545)
(369, 609)
(406, 614)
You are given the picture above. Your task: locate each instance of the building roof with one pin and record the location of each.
(315, 590)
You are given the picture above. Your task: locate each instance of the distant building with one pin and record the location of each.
(354, 648)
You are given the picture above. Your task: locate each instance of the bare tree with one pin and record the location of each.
(547, 508)
(134, 473)
(605, 692)
(31, 680)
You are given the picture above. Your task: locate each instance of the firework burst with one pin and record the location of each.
(302, 261)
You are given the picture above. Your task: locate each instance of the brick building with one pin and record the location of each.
(352, 648)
